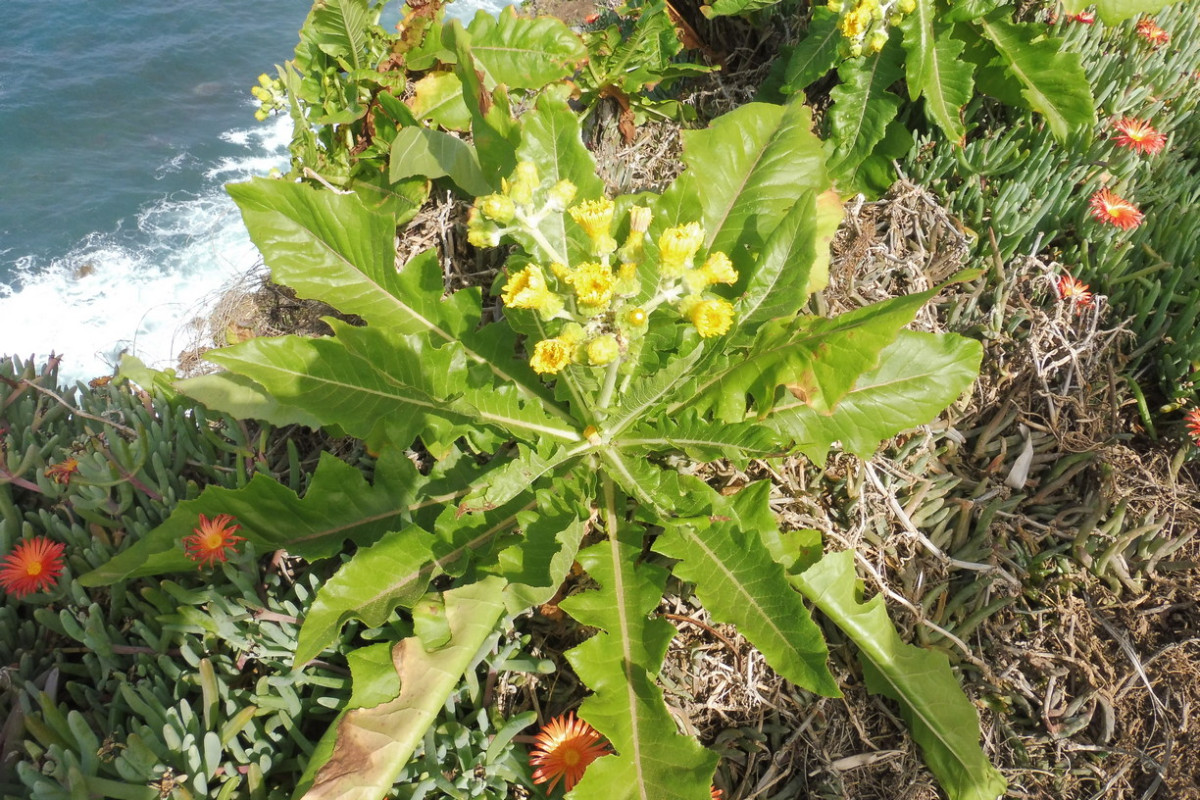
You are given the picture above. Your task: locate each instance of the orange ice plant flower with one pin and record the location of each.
(1137, 134)
(1149, 30)
(1192, 421)
(1115, 210)
(62, 471)
(33, 566)
(1073, 290)
(212, 541)
(563, 750)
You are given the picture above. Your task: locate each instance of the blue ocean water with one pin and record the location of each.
(119, 125)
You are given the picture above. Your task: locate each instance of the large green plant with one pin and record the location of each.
(946, 52)
(642, 363)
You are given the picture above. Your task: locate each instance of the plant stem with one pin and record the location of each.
(610, 383)
(539, 237)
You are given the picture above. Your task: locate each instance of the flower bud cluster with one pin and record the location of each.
(595, 298)
(864, 25)
(270, 95)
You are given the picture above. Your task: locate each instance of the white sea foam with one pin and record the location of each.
(141, 292)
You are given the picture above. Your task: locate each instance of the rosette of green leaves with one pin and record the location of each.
(499, 531)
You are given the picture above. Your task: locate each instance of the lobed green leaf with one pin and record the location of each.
(434, 154)
(722, 553)
(619, 664)
(1052, 82)
(373, 744)
(942, 720)
(817, 52)
(935, 70)
(814, 359)
(918, 375)
(862, 108)
(339, 505)
(744, 173)
(524, 52)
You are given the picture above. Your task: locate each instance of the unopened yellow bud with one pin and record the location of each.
(907, 6)
(524, 183)
(603, 245)
(497, 207)
(636, 317)
(876, 41)
(639, 219)
(711, 317)
(560, 195)
(571, 333)
(261, 114)
(695, 281)
(265, 80)
(603, 350)
(480, 231)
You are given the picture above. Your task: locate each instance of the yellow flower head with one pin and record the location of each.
(527, 289)
(497, 207)
(677, 246)
(593, 284)
(550, 356)
(855, 23)
(711, 317)
(603, 350)
(719, 269)
(595, 217)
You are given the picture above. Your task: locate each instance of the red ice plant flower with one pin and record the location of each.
(1191, 421)
(1148, 30)
(1073, 291)
(564, 748)
(1137, 134)
(1115, 210)
(212, 541)
(1086, 17)
(32, 566)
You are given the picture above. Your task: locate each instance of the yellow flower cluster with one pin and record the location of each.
(592, 300)
(865, 25)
